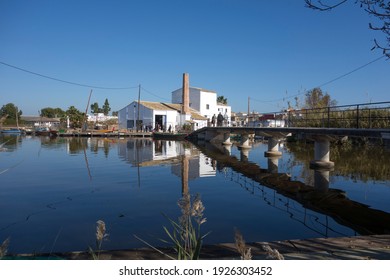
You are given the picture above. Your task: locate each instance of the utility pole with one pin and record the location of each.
(139, 100)
(84, 128)
(247, 124)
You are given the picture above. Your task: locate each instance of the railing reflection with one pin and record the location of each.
(315, 222)
(319, 198)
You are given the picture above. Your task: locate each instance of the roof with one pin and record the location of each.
(200, 89)
(39, 119)
(171, 107)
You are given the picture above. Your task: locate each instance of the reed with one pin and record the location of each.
(272, 253)
(101, 235)
(4, 248)
(185, 234)
(241, 246)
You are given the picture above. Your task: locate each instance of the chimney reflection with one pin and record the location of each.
(184, 174)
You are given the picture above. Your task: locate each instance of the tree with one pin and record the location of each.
(379, 9)
(75, 116)
(315, 98)
(52, 112)
(221, 99)
(95, 108)
(106, 107)
(115, 113)
(10, 110)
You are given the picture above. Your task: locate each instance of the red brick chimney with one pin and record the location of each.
(186, 95)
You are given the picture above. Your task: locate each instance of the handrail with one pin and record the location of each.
(362, 115)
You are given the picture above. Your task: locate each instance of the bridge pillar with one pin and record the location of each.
(244, 154)
(273, 150)
(226, 139)
(273, 164)
(245, 141)
(227, 149)
(321, 180)
(321, 153)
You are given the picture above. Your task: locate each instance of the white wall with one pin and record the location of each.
(131, 113)
(177, 97)
(208, 98)
(122, 117)
(225, 111)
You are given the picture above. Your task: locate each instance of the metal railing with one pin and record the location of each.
(365, 115)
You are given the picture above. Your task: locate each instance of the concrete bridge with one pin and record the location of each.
(321, 137)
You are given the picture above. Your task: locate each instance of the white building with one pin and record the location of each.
(100, 117)
(156, 115)
(205, 102)
(190, 105)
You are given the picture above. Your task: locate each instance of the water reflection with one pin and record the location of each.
(319, 197)
(130, 182)
(10, 142)
(147, 152)
(355, 162)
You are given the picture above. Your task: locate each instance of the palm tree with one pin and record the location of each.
(222, 99)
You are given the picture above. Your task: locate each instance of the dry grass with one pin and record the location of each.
(272, 253)
(4, 248)
(101, 235)
(186, 233)
(241, 247)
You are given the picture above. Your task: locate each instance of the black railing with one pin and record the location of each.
(365, 115)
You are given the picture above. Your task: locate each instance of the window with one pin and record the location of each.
(207, 106)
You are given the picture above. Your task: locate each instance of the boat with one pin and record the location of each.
(11, 131)
(46, 131)
(169, 136)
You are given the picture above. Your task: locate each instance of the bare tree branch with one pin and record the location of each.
(321, 6)
(379, 9)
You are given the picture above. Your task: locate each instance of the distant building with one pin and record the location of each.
(239, 119)
(100, 117)
(267, 120)
(37, 121)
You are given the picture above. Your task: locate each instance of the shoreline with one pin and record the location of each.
(370, 247)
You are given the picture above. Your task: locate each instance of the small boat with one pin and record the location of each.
(46, 131)
(11, 131)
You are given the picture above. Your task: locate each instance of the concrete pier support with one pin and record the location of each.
(244, 154)
(273, 151)
(227, 149)
(321, 154)
(245, 142)
(273, 164)
(226, 139)
(321, 180)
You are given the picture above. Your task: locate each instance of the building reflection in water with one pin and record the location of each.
(181, 156)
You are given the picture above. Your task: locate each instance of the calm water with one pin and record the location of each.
(52, 191)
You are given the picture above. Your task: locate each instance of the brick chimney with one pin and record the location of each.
(186, 95)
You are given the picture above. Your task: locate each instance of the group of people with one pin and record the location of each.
(217, 120)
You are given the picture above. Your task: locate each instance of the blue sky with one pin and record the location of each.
(265, 50)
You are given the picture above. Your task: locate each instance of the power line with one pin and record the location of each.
(326, 83)
(64, 81)
(155, 95)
